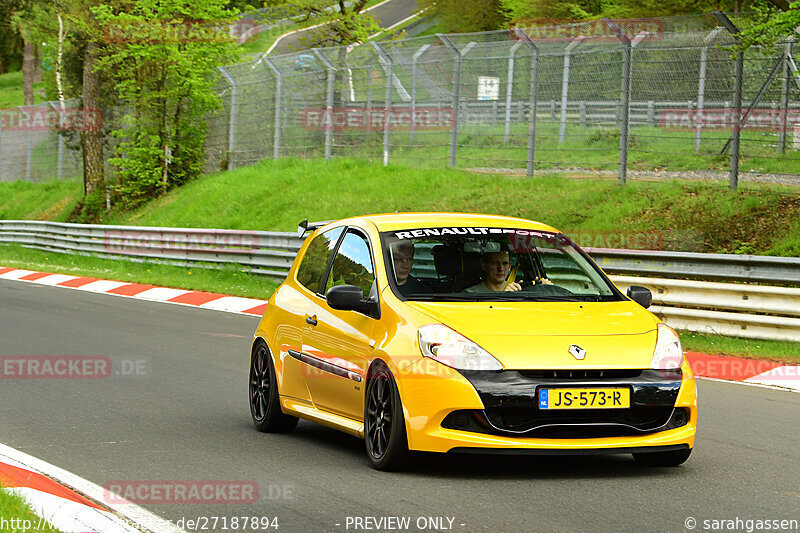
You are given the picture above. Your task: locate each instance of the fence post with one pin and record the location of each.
(369, 96)
(787, 54)
(387, 123)
(60, 139)
(736, 119)
(231, 118)
(523, 37)
(414, 59)
(701, 90)
(459, 56)
(329, 101)
(582, 113)
(624, 103)
(562, 129)
(510, 90)
(28, 159)
(276, 148)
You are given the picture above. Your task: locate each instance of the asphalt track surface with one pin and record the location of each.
(187, 418)
(386, 15)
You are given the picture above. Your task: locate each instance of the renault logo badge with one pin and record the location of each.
(577, 352)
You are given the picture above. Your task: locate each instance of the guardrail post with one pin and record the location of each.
(625, 97)
(459, 56)
(232, 119)
(414, 59)
(523, 37)
(387, 123)
(562, 128)
(787, 73)
(510, 90)
(276, 149)
(329, 101)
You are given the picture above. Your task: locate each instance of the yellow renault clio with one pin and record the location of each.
(468, 333)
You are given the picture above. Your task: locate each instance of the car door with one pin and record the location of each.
(295, 302)
(339, 342)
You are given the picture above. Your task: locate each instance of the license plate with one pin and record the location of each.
(608, 398)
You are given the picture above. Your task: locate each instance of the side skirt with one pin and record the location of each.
(308, 412)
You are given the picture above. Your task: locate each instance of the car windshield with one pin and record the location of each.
(497, 264)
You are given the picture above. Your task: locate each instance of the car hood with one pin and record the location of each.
(538, 335)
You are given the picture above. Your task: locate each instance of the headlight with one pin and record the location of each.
(454, 350)
(668, 354)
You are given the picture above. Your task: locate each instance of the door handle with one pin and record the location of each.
(312, 320)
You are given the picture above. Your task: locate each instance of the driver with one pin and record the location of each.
(495, 266)
(403, 259)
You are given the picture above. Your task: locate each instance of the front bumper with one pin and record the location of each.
(447, 410)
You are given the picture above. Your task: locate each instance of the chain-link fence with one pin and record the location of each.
(651, 95)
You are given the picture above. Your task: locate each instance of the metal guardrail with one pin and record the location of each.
(729, 267)
(738, 309)
(262, 252)
(735, 309)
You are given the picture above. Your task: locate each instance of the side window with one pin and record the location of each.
(319, 251)
(352, 265)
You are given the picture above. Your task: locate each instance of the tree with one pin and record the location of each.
(463, 16)
(340, 24)
(772, 23)
(160, 55)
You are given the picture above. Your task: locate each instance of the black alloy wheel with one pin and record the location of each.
(384, 424)
(264, 403)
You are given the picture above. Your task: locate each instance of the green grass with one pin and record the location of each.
(52, 200)
(11, 92)
(689, 216)
(231, 280)
(17, 516)
(759, 349)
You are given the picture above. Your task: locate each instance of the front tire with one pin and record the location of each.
(384, 424)
(265, 405)
(673, 458)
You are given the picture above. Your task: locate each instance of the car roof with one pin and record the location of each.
(400, 221)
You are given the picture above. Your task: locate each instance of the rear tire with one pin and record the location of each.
(265, 407)
(384, 424)
(672, 458)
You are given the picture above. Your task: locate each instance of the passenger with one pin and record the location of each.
(495, 266)
(403, 259)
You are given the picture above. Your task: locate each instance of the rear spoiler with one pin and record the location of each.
(305, 226)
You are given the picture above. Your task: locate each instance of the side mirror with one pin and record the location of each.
(640, 295)
(346, 298)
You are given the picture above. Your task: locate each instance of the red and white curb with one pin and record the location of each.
(70, 503)
(748, 371)
(205, 300)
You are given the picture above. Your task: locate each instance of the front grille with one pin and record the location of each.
(595, 423)
(581, 374)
